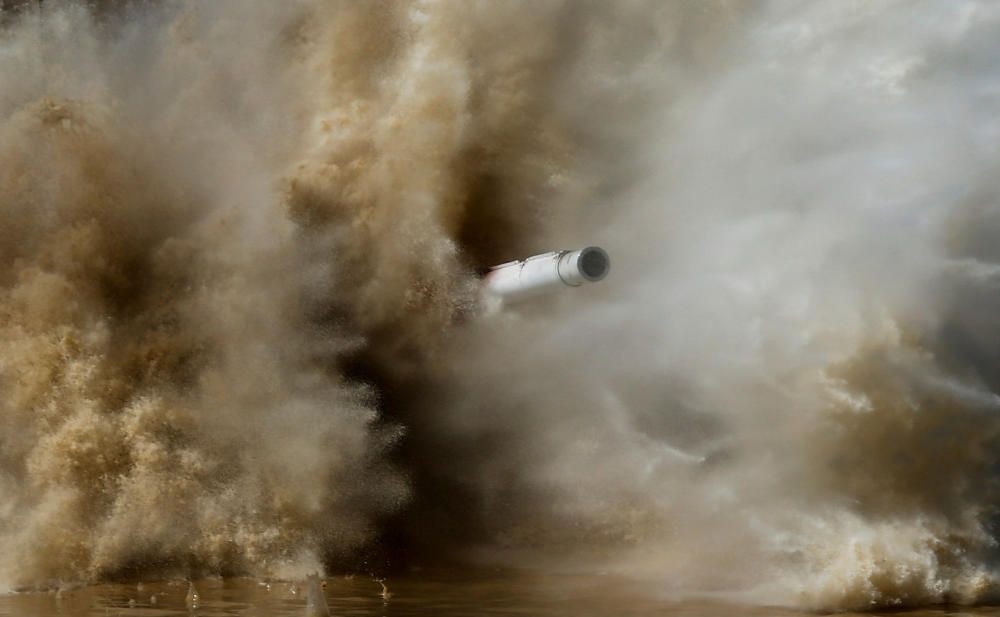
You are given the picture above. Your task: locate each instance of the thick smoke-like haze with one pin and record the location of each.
(239, 248)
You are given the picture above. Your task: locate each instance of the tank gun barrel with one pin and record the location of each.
(517, 280)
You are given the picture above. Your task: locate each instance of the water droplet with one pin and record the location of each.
(192, 597)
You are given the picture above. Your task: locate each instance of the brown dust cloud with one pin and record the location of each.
(239, 253)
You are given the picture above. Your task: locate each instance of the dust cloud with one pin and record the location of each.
(238, 292)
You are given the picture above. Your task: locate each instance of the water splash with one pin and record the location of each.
(192, 597)
(236, 295)
(315, 598)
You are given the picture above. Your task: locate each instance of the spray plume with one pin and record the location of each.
(236, 250)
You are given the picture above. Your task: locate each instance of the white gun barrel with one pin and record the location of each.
(517, 280)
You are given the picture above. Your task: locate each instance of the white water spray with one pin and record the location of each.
(234, 258)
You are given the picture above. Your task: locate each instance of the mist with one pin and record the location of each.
(238, 293)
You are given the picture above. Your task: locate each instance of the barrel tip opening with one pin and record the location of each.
(594, 263)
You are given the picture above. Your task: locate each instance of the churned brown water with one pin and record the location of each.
(497, 596)
(239, 329)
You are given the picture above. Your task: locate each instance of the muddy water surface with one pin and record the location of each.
(498, 596)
